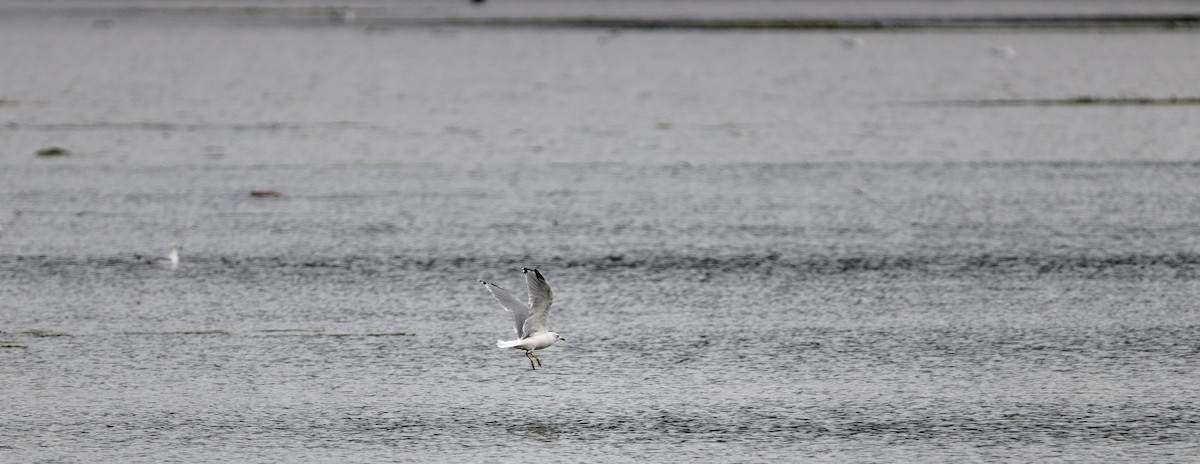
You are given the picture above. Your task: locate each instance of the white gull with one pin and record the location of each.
(530, 319)
(171, 261)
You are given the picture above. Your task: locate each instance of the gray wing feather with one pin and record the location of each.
(519, 310)
(540, 298)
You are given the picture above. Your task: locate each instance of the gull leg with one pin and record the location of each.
(535, 357)
(529, 356)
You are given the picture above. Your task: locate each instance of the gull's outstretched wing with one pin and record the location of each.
(540, 298)
(511, 304)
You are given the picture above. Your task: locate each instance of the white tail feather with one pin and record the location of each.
(508, 344)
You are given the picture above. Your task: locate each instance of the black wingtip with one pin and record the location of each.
(525, 269)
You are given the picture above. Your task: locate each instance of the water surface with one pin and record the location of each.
(764, 245)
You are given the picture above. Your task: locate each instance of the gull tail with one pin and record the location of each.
(508, 344)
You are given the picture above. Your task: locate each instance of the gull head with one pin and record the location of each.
(557, 337)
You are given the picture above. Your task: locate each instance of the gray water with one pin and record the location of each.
(764, 245)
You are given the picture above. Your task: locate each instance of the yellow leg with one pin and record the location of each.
(539, 360)
(529, 355)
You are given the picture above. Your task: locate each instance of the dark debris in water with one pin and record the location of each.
(44, 333)
(51, 152)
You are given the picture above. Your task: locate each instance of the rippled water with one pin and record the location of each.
(761, 248)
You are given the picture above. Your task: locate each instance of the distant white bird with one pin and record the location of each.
(344, 15)
(531, 319)
(171, 261)
(1006, 51)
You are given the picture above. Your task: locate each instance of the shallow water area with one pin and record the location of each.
(862, 246)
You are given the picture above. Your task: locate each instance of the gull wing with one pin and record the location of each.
(519, 310)
(540, 298)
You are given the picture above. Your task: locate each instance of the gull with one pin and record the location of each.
(171, 261)
(1006, 51)
(343, 15)
(530, 318)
